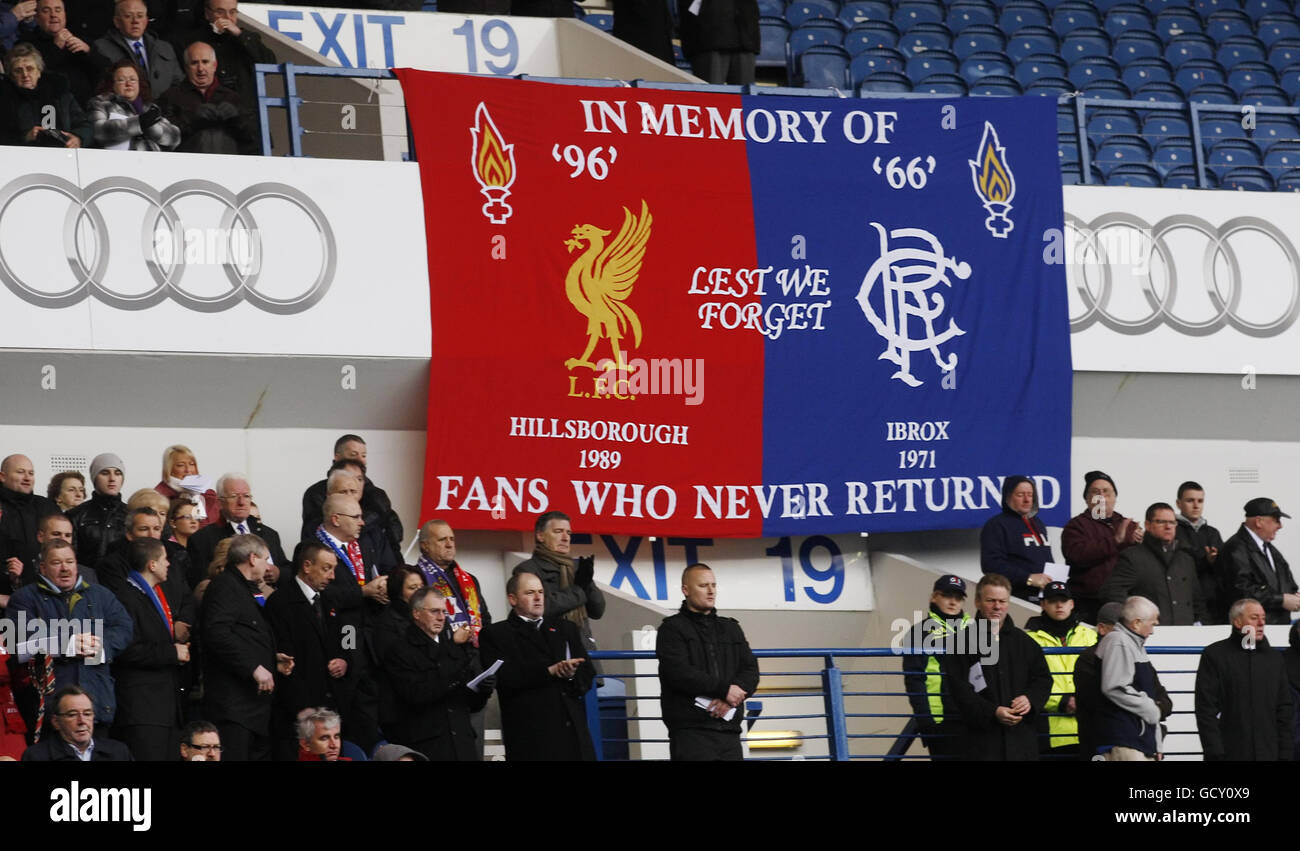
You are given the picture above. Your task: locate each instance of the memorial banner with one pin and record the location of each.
(685, 312)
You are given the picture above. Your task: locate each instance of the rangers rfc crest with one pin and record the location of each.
(896, 299)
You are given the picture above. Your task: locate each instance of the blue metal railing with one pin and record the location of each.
(835, 717)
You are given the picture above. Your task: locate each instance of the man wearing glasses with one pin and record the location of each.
(200, 742)
(236, 515)
(1161, 570)
(74, 722)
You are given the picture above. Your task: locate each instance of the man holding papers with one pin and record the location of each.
(706, 670)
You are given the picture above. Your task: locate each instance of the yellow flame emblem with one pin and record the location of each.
(994, 183)
(494, 161)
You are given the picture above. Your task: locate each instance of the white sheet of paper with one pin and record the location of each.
(703, 703)
(472, 685)
(695, 7)
(976, 677)
(1058, 572)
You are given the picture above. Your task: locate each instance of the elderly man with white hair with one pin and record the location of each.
(1128, 719)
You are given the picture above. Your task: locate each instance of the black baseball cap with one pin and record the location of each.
(1055, 590)
(1262, 506)
(950, 583)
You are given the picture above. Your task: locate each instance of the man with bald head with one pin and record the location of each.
(351, 483)
(21, 510)
(350, 454)
(236, 498)
(129, 39)
(210, 116)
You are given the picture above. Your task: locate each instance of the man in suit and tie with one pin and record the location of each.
(128, 39)
(236, 519)
(1250, 566)
(239, 653)
(543, 678)
(323, 648)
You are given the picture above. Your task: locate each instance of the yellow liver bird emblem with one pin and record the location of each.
(600, 281)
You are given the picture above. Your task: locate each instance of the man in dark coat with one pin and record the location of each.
(1250, 566)
(703, 657)
(114, 568)
(101, 520)
(236, 519)
(720, 38)
(1002, 688)
(311, 631)
(146, 672)
(428, 670)
(571, 590)
(1203, 542)
(236, 48)
(542, 682)
(20, 509)
(210, 116)
(73, 718)
(350, 449)
(1243, 698)
(64, 52)
(1160, 570)
(1092, 541)
(239, 654)
(129, 39)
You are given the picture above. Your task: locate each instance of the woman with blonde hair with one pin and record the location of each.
(180, 475)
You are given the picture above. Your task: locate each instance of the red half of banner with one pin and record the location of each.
(571, 247)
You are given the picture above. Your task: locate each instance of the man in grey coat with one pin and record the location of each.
(1128, 720)
(129, 40)
(1160, 569)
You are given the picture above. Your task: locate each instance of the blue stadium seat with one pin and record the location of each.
(1023, 13)
(1182, 177)
(824, 66)
(1282, 157)
(1104, 6)
(1066, 118)
(1284, 52)
(965, 13)
(1176, 21)
(1028, 41)
(879, 81)
(602, 22)
(1196, 72)
(941, 84)
(814, 32)
(1158, 126)
(1110, 121)
(856, 11)
(1230, 154)
(1074, 14)
(1067, 150)
(911, 12)
(1205, 8)
(1134, 174)
(1212, 93)
(1049, 87)
(1274, 27)
(870, 34)
(1155, 7)
(1139, 72)
(1257, 9)
(1241, 48)
(983, 64)
(996, 86)
(1070, 174)
(1106, 90)
(1040, 65)
(1129, 17)
(1247, 75)
(922, 65)
(923, 37)
(1274, 129)
(1162, 92)
(1265, 96)
(1289, 181)
(1088, 41)
(1171, 153)
(1089, 69)
(351, 750)
(800, 11)
(1226, 23)
(1289, 79)
(1136, 45)
(1119, 150)
(774, 34)
(1215, 128)
(771, 8)
(1188, 46)
(977, 38)
(877, 59)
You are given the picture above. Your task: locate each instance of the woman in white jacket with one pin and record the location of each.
(124, 116)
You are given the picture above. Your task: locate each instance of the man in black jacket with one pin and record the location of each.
(74, 721)
(1203, 542)
(706, 670)
(1159, 569)
(1250, 566)
(1243, 698)
(1001, 688)
(101, 520)
(236, 519)
(542, 681)
(239, 654)
(20, 509)
(350, 450)
(112, 570)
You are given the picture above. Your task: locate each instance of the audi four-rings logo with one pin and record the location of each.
(167, 275)
(1225, 295)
